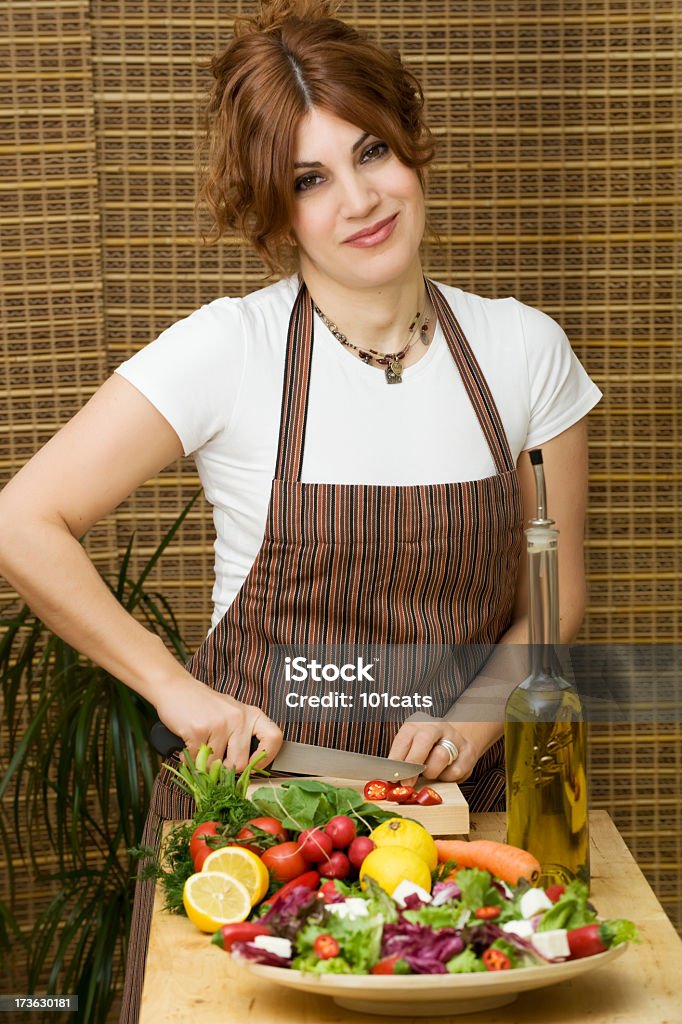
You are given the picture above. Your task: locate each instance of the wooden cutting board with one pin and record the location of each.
(446, 819)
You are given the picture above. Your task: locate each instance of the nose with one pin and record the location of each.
(359, 195)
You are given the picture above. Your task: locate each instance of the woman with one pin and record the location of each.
(367, 488)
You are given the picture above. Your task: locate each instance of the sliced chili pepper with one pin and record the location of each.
(325, 946)
(391, 965)
(377, 789)
(427, 797)
(496, 960)
(402, 794)
(487, 913)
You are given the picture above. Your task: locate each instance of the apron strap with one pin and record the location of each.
(475, 383)
(295, 392)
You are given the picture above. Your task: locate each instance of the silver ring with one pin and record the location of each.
(453, 752)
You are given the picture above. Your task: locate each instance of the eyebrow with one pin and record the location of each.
(316, 163)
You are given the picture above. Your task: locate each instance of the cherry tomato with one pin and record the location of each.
(428, 797)
(326, 946)
(496, 960)
(285, 861)
(245, 931)
(196, 843)
(555, 892)
(377, 789)
(341, 830)
(402, 794)
(328, 891)
(315, 845)
(390, 965)
(487, 913)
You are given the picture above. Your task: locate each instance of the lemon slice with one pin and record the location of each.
(243, 865)
(212, 899)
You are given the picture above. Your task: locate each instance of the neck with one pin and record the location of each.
(374, 317)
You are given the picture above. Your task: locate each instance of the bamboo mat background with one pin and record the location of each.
(557, 181)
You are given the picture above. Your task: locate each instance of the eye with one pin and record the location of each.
(375, 151)
(306, 182)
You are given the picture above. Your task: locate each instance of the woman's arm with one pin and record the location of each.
(475, 721)
(115, 443)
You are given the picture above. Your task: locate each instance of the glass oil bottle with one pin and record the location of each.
(545, 748)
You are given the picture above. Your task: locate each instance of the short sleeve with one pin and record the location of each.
(560, 390)
(193, 371)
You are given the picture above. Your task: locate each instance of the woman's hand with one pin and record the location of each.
(418, 740)
(199, 715)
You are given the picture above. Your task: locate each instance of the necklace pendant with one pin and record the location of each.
(394, 372)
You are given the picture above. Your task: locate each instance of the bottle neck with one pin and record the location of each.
(543, 600)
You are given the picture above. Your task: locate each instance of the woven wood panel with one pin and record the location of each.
(557, 181)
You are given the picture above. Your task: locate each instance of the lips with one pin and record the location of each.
(374, 229)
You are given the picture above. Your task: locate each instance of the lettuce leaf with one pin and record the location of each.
(571, 910)
(465, 962)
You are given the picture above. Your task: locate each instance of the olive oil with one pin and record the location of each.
(544, 729)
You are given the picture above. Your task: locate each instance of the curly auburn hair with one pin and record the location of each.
(291, 57)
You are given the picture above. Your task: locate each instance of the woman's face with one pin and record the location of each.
(348, 183)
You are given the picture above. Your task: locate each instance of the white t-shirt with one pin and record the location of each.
(217, 376)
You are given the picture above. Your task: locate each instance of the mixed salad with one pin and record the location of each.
(471, 923)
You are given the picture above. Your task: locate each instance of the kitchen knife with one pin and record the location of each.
(307, 759)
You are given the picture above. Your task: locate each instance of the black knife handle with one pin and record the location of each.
(166, 742)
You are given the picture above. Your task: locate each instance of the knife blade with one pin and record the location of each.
(307, 759)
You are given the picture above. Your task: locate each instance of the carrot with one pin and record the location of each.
(508, 863)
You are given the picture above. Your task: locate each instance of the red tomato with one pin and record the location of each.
(341, 830)
(496, 960)
(196, 843)
(377, 789)
(326, 946)
(555, 892)
(201, 856)
(285, 861)
(427, 797)
(487, 913)
(389, 965)
(328, 891)
(271, 825)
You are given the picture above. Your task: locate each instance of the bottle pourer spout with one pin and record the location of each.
(541, 518)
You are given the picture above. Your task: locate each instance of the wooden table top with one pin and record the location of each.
(189, 979)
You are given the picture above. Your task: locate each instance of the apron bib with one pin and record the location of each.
(419, 565)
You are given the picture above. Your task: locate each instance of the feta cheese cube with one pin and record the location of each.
(273, 944)
(533, 901)
(553, 945)
(355, 906)
(524, 929)
(406, 888)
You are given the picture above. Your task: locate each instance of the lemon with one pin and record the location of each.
(213, 899)
(244, 865)
(390, 865)
(408, 834)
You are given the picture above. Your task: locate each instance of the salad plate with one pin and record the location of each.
(425, 995)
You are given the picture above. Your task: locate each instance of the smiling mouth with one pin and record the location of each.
(373, 230)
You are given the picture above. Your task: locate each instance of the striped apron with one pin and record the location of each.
(356, 564)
